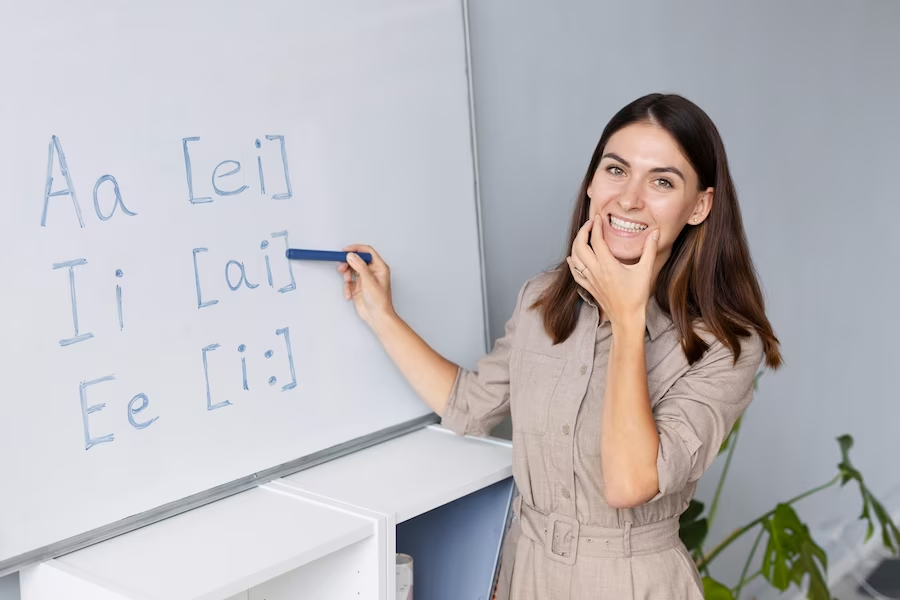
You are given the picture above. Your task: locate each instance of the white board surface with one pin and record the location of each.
(349, 121)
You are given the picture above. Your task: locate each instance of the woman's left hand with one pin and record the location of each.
(622, 291)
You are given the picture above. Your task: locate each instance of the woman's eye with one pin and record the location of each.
(614, 170)
(663, 182)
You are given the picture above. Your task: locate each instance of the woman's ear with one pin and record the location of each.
(702, 207)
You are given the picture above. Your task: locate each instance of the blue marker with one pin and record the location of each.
(296, 254)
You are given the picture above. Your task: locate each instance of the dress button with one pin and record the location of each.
(583, 369)
(565, 429)
(565, 493)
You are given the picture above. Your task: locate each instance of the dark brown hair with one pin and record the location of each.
(709, 275)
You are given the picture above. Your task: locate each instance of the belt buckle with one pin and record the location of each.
(574, 531)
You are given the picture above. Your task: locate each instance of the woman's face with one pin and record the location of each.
(643, 183)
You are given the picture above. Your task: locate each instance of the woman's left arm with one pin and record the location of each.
(650, 452)
(629, 442)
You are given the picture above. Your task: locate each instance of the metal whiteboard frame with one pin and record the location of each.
(177, 507)
(470, 82)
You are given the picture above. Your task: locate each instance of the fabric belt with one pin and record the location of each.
(564, 538)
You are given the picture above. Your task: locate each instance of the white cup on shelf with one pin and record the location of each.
(404, 577)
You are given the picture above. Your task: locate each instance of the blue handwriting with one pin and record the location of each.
(236, 267)
(86, 411)
(71, 264)
(117, 203)
(236, 168)
(56, 151)
(119, 300)
(242, 348)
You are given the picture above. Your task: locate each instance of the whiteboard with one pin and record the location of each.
(156, 159)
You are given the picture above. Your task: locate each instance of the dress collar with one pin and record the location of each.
(657, 320)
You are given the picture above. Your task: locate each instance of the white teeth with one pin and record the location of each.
(625, 225)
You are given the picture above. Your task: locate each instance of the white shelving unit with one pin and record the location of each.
(330, 531)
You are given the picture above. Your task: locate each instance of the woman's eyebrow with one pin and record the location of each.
(668, 170)
(618, 158)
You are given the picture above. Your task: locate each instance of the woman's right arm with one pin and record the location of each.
(430, 374)
(369, 286)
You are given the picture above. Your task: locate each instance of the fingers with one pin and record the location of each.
(363, 272)
(348, 273)
(651, 246)
(377, 262)
(580, 248)
(374, 276)
(579, 273)
(345, 270)
(354, 267)
(598, 242)
(583, 235)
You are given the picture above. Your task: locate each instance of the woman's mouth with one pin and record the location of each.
(622, 226)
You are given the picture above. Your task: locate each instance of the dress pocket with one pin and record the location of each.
(533, 381)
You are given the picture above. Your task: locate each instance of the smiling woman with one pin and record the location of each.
(661, 164)
(624, 369)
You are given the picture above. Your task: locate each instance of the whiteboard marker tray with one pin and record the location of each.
(220, 549)
(409, 475)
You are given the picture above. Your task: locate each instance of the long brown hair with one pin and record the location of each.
(709, 274)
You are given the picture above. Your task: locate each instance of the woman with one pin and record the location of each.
(624, 369)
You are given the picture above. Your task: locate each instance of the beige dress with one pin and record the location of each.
(565, 541)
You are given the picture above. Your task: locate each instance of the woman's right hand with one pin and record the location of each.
(369, 286)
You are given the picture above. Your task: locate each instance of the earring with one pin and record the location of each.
(695, 219)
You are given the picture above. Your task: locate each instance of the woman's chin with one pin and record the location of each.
(625, 254)
(631, 260)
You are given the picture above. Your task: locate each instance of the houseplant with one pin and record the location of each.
(791, 555)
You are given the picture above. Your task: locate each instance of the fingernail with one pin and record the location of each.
(351, 257)
(656, 234)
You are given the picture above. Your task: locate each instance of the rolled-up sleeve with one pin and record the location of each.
(479, 399)
(698, 412)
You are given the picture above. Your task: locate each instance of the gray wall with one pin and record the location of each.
(805, 94)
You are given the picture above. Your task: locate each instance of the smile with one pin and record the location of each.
(623, 225)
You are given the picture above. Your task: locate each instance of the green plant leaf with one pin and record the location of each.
(693, 529)
(713, 590)
(848, 471)
(890, 534)
(806, 564)
(694, 533)
(694, 510)
(792, 555)
(775, 566)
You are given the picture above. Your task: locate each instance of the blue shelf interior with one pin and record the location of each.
(456, 547)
